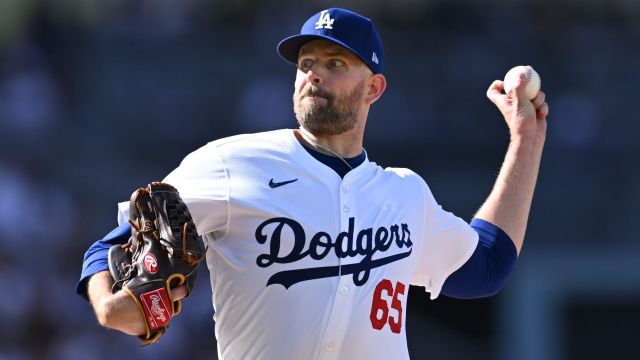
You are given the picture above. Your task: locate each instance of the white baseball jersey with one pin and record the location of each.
(305, 264)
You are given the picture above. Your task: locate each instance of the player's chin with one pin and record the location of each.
(324, 127)
(310, 109)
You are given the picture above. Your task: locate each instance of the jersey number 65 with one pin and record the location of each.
(380, 306)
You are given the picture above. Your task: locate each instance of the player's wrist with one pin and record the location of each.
(527, 139)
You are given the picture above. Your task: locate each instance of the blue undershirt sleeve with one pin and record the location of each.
(95, 259)
(488, 269)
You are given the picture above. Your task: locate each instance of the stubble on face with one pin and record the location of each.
(329, 115)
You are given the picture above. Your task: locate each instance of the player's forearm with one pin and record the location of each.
(510, 200)
(116, 311)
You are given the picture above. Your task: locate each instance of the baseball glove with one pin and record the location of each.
(163, 252)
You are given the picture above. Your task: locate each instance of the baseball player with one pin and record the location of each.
(311, 246)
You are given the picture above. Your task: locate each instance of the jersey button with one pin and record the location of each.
(344, 290)
(330, 346)
(345, 208)
(344, 190)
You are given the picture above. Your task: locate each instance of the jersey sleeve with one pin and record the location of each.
(488, 269)
(448, 243)
(96, 257)
(203, 183)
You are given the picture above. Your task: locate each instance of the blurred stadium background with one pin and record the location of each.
(100, 97)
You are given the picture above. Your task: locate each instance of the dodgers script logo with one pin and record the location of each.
(347, 244)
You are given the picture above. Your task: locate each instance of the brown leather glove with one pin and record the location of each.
(164, 252)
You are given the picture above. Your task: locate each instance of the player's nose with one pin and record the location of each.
(313, 75)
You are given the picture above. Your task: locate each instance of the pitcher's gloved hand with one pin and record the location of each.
(163, 253)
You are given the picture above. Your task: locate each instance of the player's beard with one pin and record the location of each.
(333, 117)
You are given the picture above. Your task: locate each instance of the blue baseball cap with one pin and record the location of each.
(352, 31)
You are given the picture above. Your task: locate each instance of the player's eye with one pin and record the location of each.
(335, 63)
(305, 64)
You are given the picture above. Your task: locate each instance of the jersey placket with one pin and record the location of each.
(342, 304)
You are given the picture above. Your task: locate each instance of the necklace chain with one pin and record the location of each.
(314, 143)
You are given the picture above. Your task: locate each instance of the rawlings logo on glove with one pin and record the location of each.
(156, 308)
(164, 252)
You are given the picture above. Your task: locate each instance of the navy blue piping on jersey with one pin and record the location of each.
(335, 163)
(488, 269)
(96, 257)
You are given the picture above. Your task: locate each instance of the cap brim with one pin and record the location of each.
(289, 48)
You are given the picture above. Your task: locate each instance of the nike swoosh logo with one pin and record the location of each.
(273, 184)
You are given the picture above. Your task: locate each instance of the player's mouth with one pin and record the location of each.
(315, 94)
(315, 98)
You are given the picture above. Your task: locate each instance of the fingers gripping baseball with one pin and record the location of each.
(541, 106)
(538, 100)
(524, 108)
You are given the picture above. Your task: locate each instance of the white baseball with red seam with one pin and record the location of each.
(532, 80)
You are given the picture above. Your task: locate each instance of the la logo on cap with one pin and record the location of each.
(325, 21)
(353, 32)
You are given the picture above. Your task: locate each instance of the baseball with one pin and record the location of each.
(533, 82)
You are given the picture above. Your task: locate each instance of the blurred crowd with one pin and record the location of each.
(98, 98)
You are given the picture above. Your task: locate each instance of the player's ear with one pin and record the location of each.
(377, 85)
